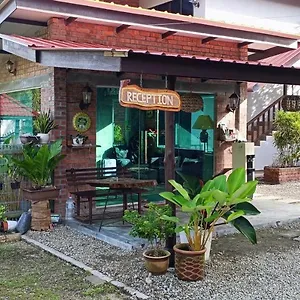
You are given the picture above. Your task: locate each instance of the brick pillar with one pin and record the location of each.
(53, 98)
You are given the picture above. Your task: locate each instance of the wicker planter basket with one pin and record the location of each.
(189, 265)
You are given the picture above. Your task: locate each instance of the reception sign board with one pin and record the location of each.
(291, 103)
(148, 99)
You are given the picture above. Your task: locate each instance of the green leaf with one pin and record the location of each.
(235, 215)
(171, 219)
(179, 188)
(220, 183)
(167, 195)
(208, 186)
(246, 190)
(219, 196)
(213, 217)
(179, 229)
(245, 227)
(247, 207)
(235, 180)
(191, 183)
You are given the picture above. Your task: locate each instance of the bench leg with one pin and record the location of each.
(90, 209)
(78, 205)
(125, 204)
(102, 219)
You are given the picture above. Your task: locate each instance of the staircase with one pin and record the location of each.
(261, 125)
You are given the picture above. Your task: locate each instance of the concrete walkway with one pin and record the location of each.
(274, 211)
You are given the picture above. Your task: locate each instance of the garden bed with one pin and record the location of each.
(276, 175)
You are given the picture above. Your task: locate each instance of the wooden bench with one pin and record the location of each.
(77, 182)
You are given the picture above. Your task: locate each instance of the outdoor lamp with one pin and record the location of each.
(86, 97)
(233, 103)
(204, 122)
(10, 67)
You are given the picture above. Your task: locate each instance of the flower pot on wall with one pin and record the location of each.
(157, 265)
(189, 265)
(44, 138)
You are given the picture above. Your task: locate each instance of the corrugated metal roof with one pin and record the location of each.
(286, 59)
(57, 45)
(13, 108)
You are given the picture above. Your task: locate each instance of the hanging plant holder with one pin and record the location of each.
(191, 102)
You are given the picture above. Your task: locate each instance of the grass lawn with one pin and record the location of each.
(27, 273)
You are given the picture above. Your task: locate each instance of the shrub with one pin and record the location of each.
(287, 138)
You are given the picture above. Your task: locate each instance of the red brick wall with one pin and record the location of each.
(279, 175)
(138, 39)
(25, 69)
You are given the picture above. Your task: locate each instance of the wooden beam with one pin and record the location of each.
(167, 34)
(243, 44)
(208, 39)
(267, 53)
(70, 20)
(169, 161)
(85, 60)
(202, 68)
(121, 28)
(7, 10)
(256, 50)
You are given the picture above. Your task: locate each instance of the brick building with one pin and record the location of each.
(63, 46)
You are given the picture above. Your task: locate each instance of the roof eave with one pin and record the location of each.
(155, 21)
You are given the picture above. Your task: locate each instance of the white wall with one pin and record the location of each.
(281, 15)
(265, 154)
(261, 99)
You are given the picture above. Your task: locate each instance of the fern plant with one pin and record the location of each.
(38, 163)
(44, 123)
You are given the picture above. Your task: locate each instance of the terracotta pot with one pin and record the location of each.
(4, 226)
(157, 265)
(189, 265)
(41, 195)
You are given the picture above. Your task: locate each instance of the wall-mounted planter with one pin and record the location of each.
(275, 175)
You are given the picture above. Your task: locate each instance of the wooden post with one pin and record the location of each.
(169, 161)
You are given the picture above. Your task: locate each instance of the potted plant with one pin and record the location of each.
(43, 124)
(37, 165)
(79, 139)
(156, 230)
(13, 173)
(220, 198)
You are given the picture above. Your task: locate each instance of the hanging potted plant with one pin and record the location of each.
(156, 230)
(220, 198)
(43, 124)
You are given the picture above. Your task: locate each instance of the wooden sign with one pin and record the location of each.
(148, 99)
(291, 103)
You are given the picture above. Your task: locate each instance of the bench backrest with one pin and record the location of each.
(77, 177)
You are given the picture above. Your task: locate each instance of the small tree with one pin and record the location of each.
(287, 137)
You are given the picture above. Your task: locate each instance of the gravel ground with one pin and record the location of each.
(238, 270)
(287, 190)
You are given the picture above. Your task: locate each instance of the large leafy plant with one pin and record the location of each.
(220, 198)
(39, 162)
(151, 226)
(287, 137)
(2, 213)
(44, 123)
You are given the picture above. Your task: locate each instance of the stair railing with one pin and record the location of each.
(262, 125)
